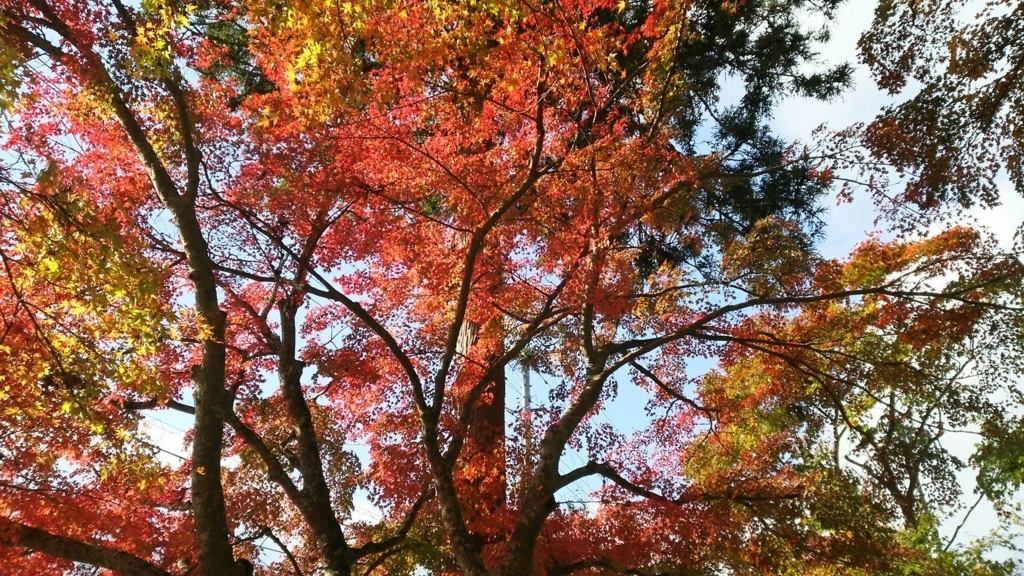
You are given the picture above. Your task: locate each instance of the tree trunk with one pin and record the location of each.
(483, 470)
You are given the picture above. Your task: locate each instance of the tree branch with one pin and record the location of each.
(157, 403)
(603, 469)
(275, 470)
(534, 173)
(669, 390)
(288, 553)
(23, 536)
(403, 530)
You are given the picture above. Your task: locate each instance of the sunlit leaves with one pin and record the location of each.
(344, 224)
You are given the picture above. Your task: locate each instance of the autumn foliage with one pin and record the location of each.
(334, 237)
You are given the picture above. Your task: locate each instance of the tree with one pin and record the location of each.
(314, 225)
(959, 128)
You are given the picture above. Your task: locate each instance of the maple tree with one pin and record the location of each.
(958, 129)
(311, 227)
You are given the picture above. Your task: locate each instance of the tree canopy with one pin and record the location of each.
(335, 236)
